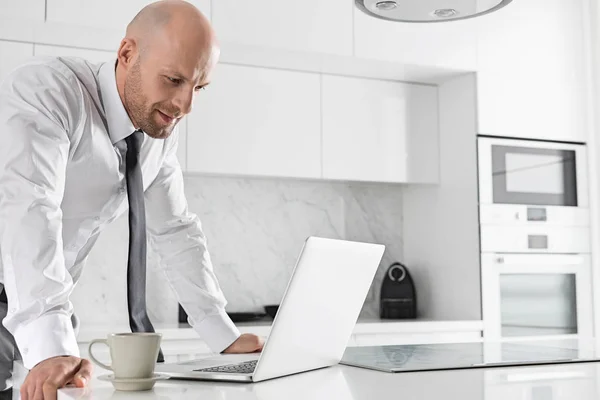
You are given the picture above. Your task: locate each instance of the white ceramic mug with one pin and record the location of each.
(133, 355)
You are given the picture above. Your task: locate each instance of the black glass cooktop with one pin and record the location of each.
(424, 357)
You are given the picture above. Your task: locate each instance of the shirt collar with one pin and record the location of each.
(119, 123)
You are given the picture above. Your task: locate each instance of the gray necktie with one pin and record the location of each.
(136, 264)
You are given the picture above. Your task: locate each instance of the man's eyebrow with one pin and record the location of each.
(177, 75)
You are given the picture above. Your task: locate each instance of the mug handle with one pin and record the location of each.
(94, 359)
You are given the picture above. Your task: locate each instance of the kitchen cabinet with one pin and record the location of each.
(256, 121)
(12, 55)
(102, 14)
(381, 131)
(33, 10)
(448, 45)
(531, 71)
(309, 25)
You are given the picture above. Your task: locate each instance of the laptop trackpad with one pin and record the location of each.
(222, 359)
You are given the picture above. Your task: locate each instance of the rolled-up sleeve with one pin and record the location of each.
(176, 236)
(34, 148)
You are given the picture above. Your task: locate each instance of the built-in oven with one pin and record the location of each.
(526, 295)
(524, 181)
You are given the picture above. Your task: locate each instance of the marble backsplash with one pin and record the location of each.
(255, 229)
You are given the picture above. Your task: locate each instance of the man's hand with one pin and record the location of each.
(246, 343)
(48, 376)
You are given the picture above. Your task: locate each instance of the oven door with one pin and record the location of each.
(536, 295)
(525, 172)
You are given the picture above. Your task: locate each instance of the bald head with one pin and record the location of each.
(167, 55)
(176, 18)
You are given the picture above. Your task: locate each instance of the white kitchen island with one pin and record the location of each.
(564, 381)
(553, 382)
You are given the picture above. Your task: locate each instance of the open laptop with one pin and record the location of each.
(314, 322)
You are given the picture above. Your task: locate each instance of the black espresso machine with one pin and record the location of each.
(398, 299)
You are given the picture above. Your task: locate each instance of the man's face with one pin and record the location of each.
(161, 85)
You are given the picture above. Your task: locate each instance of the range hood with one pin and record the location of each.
(428, 10)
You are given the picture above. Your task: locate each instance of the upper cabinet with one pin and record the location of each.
(12, 55)
(531, 71)
(23, 9)
(379, 131)
(256, 121)
(307, 25)
(105, 14)
(446, 45)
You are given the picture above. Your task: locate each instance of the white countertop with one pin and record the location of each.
(177, 331)
(554, 382)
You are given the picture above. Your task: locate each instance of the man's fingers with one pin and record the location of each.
(261, 343)
(24, 392)
(31, 391)
(36, 393)
(84, 374)
(58, 380)
(49, 389)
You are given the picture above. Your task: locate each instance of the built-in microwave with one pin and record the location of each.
(525, 181)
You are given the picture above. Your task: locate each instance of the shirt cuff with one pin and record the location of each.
(48, 336)
(218, 331)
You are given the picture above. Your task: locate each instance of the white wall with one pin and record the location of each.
(441, 223)
(255, 229)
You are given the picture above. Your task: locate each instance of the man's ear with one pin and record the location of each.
(127, 52)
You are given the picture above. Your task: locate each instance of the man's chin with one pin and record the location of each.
(160, 133)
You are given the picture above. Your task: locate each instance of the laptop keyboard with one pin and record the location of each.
(246, 367)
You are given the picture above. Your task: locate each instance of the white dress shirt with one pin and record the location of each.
(62, 180)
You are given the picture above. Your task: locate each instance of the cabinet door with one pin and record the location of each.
(23, 9)
(379, 130)
(307, 25)
(531, 80)
(12, 55)
(256, 121)
(106, 14)
(449, 44)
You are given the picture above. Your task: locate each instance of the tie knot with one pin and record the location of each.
(134, 141)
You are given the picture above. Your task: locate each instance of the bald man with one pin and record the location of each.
(79, 142)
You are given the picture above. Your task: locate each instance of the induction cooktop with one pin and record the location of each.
(426, 357)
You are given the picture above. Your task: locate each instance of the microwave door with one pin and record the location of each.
(533, 176)
(532, 173)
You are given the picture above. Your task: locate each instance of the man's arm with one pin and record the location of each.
(34, 148)
(177, 237)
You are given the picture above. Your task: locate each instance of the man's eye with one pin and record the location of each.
(199, 88)
(174, 80)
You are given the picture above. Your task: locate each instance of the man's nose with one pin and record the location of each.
(184, 101)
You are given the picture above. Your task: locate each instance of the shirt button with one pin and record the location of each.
(96, 218)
